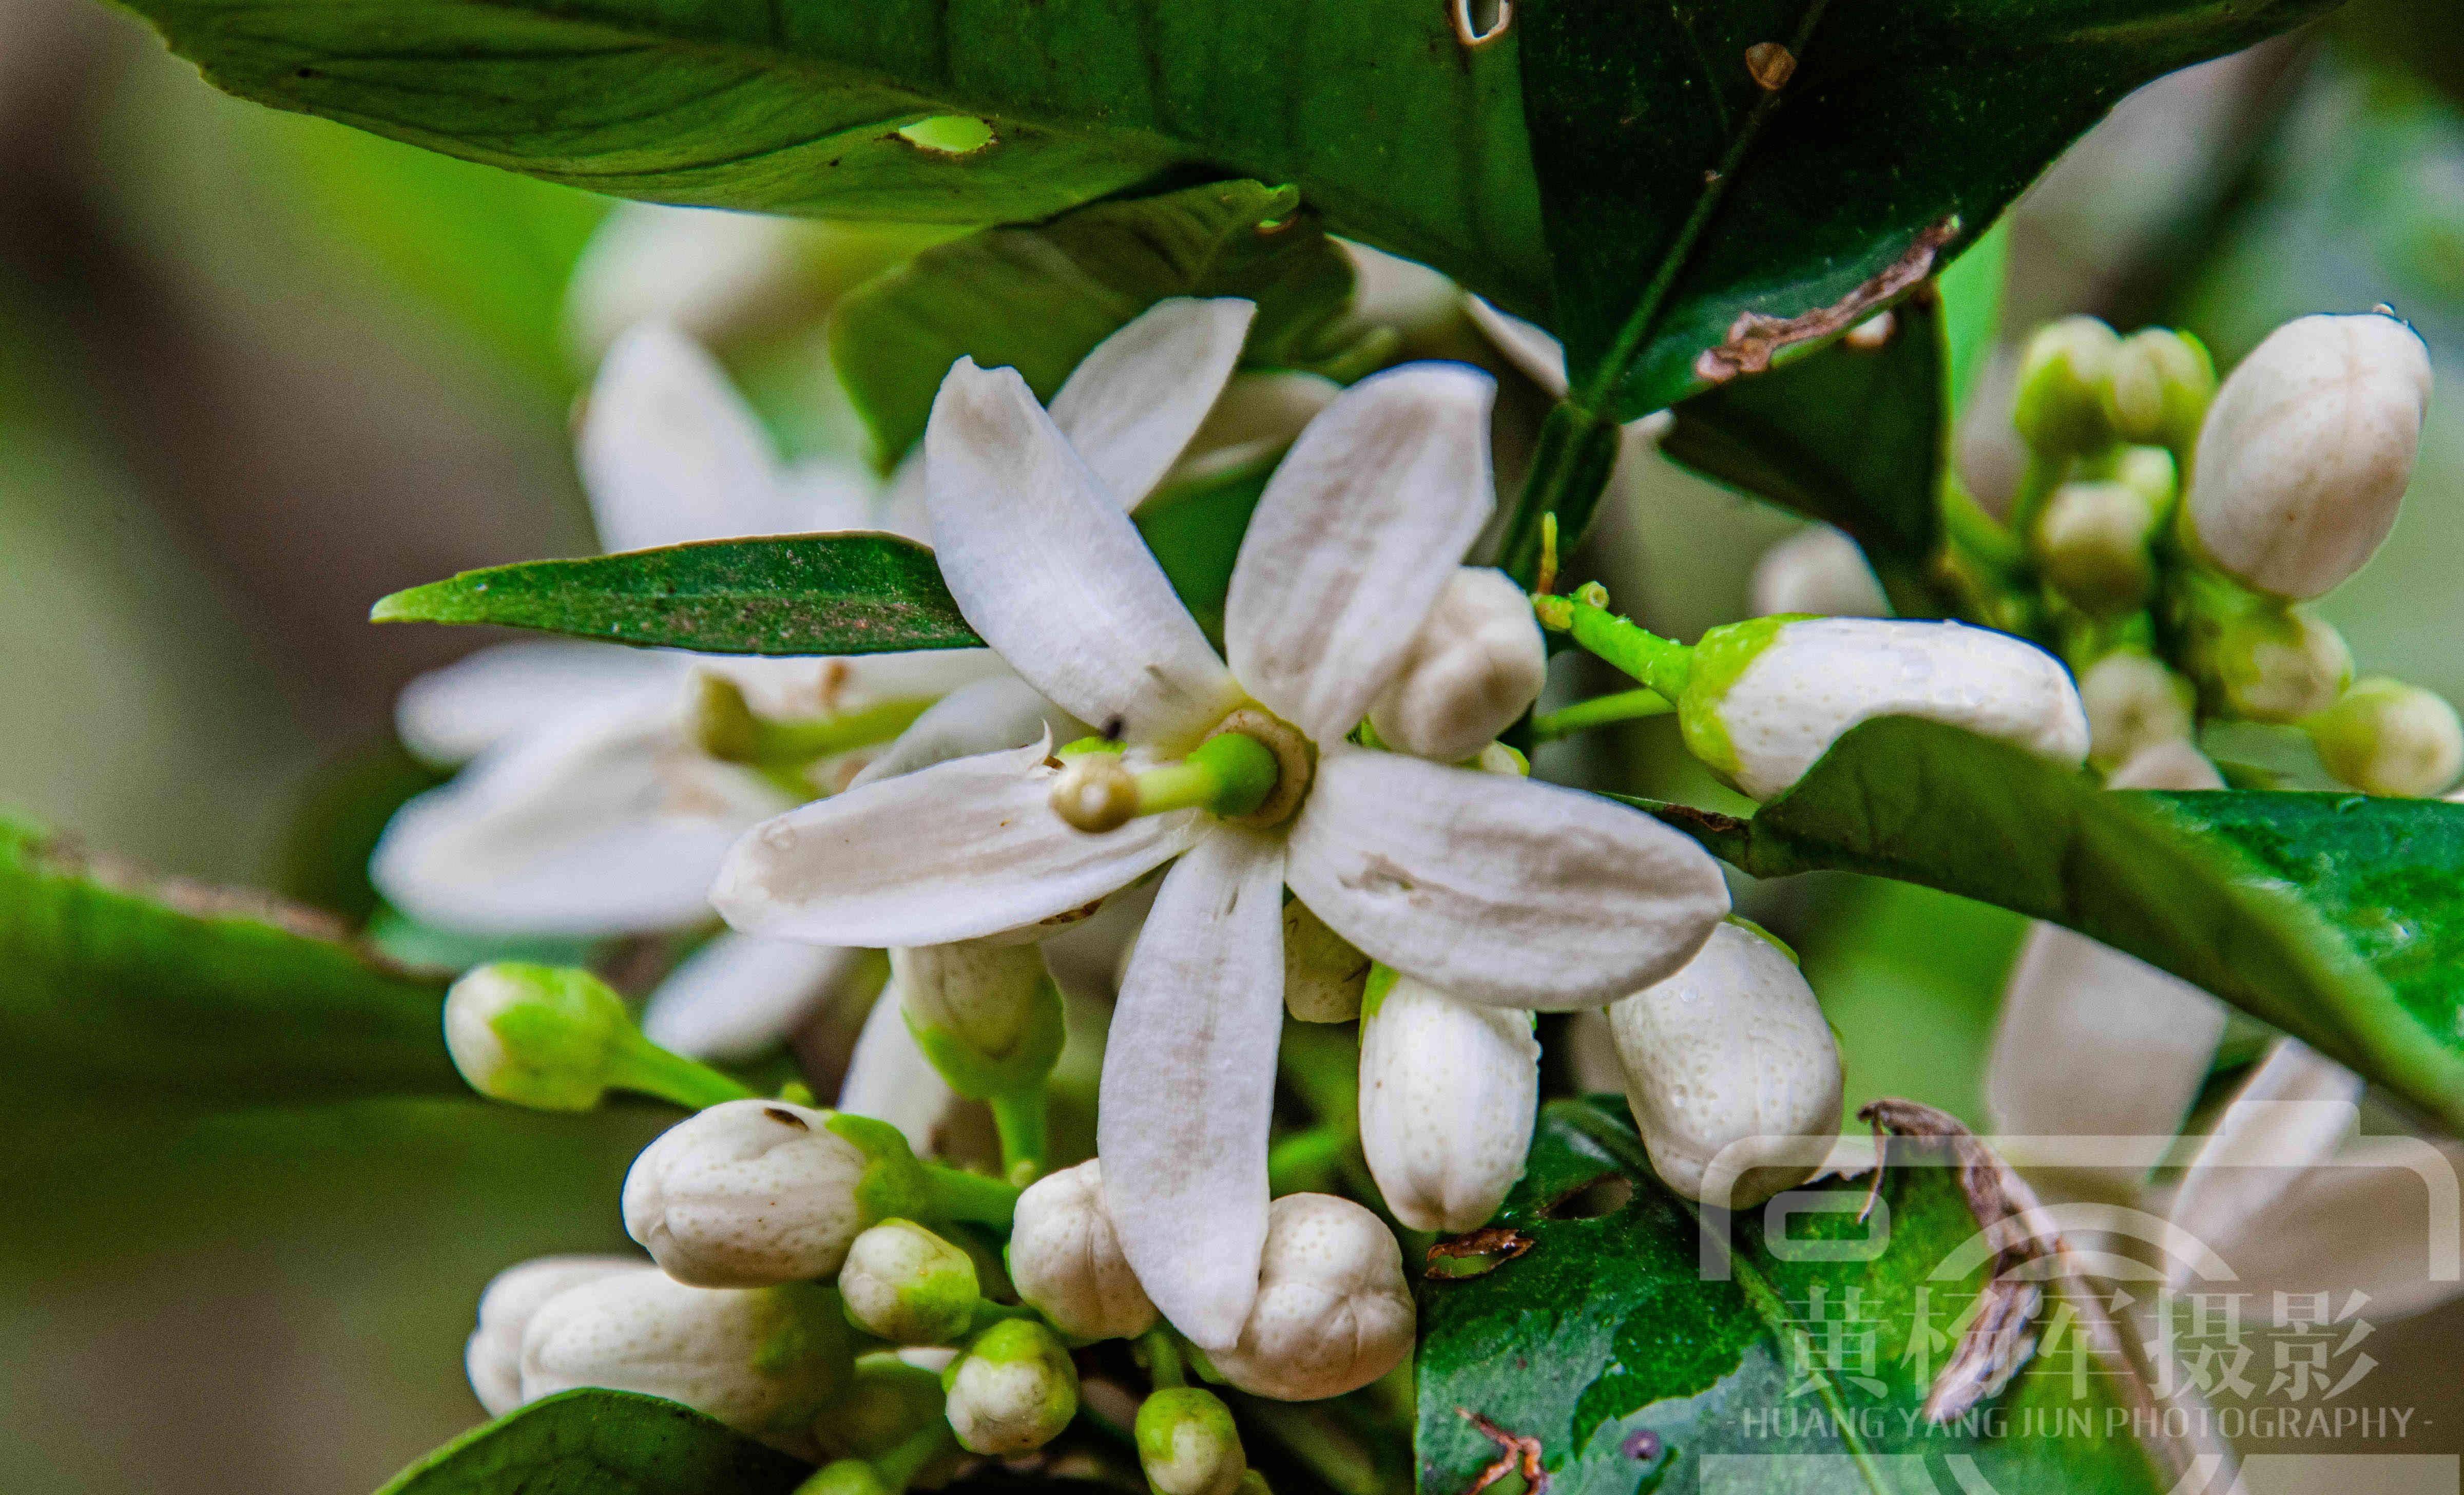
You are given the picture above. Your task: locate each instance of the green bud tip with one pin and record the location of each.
(545, 1036)
(1188, 1444)
(2157, 387)
(2060, 408)
(845, 1477)
(906, 1285)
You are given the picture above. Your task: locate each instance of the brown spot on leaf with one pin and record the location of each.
(1477, 1254)
(1754, 338)
(1772, 65)
(1516, 1454)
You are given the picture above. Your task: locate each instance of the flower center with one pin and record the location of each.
(1254, 769)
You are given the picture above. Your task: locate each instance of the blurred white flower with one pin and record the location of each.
(1818, 570)
(1495, 889)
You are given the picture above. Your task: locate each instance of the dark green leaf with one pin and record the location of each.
(170, 991)
(1902, 120)
(1195, 531)
(1853, 437)
(797, 594)
(1038, 300)
(601, 1442)
(2335, 917)
(1605, 1342)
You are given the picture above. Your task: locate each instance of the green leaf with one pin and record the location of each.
(1679, 196)
(800, 594)
(162, 990)
(1607, 1341)
(1371, 108)
(601, 1442)
(1852, 437)
(2335, 917)
(1038, 300)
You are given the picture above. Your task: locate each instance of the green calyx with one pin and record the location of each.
(907, 1285)
(1021, 1066)
(1381, 980)
(557, 1037)
(897, 1185)
(1188, 1444)
(1719, 660)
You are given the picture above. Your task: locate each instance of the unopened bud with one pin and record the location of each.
(2149, 472)
(1324, 974)
(846, 1477)
(1732, 1075)
(2389, 737)
(494, 1356)
(762, 1360)
(2092, 539)
(1767, 697)
(1188, 1444)
(987, 1014)
(747, 1193)
(1477, 663)
(1449, 1094)
(1332, 1311)
(1817, 571)
(2158, 385)
(1013, 1391)
(1065, 1258)
(2063, 376)
(550, 1038)
(2307, 452)
(2278, 664)
(2133, 702)
(906, 1285)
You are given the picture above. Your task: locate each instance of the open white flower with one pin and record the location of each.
(1495, 889)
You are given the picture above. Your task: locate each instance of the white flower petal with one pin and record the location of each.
(1003, 712)
(1498, 889)
(1189, 1085)
(454, 714)
(2094, 1043)
(671, 452)
(888, 1078)
(2294, 1112)
(826, 494)
(608, 824)
(1527, 345)
(1132, 405)
(1052, 573)
(1359, 530)
(960, 851)
(739, 997)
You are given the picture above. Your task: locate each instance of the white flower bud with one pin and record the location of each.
(545, 1036)
(2389, 737)
(1818, 570)
(1013, 1391)
(2306, 452)
(1187, 1443)
(494, 1356)
(2062, 375)
(987, 1014)
(1729, 1059)
(1448, 1092)
(1324, 972)
(747, 1193)
(2158, 385)
(2133, 702)
(1065, 1258)
(2278, 665)
(1332, 1311)
(764, 1360)
(1477, 663)
(2092, 538)
(1768, 696)
(906, 1285)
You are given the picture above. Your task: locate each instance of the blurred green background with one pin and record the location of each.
(258, 370)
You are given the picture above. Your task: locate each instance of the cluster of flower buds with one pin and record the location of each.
(2168, 531)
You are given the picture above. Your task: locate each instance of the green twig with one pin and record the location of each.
(1020, 1117)
(1601, 711)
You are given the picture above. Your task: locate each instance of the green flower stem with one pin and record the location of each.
(956, 1193)
(2043, 473)
(1601, 711)
(1020, 1117)
(728, 728)
(1664, 665)
(1230, 775)
(1569, 473)
(642, 1066)
(1979, 535)
(1162, 1352)
(900, 1465)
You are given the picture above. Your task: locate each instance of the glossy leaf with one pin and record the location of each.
(601, 1442)
(1853, 437)
(1606, 1340)
(2335, 917)
(162, 990)
(1039, 299)
(794, 594)
(1691, 175)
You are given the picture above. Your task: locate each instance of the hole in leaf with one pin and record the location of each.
(949, 134)
(1605, 1195)
(1478, 22)
(1476, 1255)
